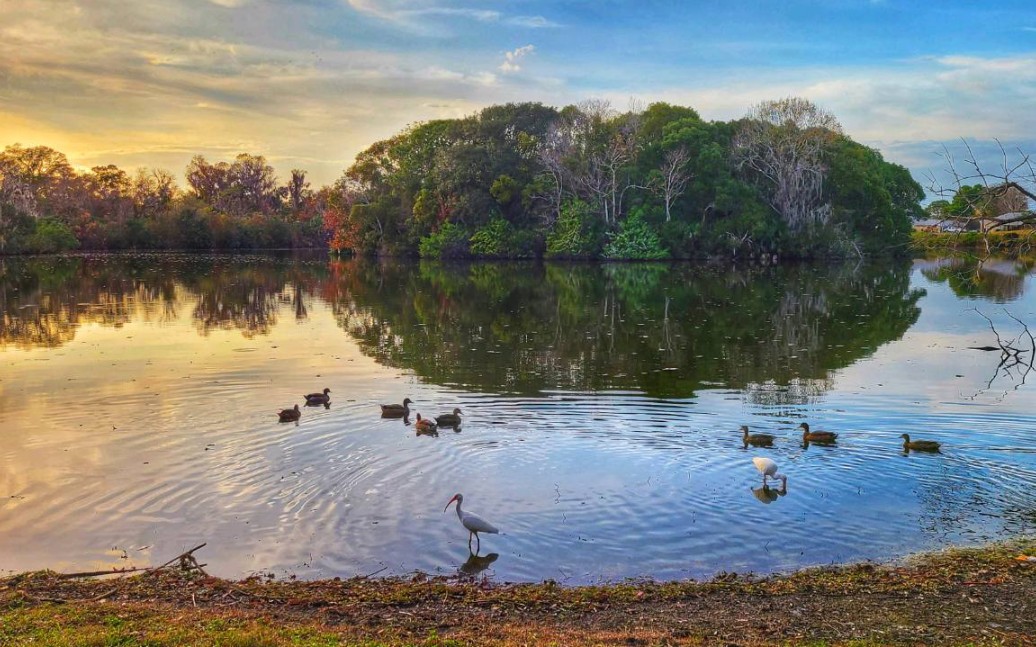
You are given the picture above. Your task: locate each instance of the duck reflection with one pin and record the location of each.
(768, 495)
(476, 564)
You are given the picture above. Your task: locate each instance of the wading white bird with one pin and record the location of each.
(768, 468)
(474, 523)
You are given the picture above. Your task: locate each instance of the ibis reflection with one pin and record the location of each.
(767, 494)
(476, 564)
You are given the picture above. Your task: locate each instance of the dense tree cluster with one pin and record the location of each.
(587, 181)
(512, 181)
(47, 206)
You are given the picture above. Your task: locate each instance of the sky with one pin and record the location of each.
(311, 83)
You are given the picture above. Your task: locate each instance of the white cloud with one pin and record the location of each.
(154, 81)
(932, 99)
(403, 10)
(378, 8)
(442, 74)
(511, 59)
(532, 22)
(407, 14)
(481, 15)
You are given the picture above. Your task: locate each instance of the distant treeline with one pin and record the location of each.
(46, 206)
(512, 181)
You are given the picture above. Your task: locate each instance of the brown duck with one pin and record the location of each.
(759, 440)
(318, 398)
(396, 410)
(289, 415)
(816, 436)
(449, 419)
(919, 445)
(424, 425)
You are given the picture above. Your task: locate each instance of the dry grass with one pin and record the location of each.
(963, 597)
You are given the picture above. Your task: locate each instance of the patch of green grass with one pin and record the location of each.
(69, 626)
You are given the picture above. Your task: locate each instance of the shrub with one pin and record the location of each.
(451, 241)
(51, 236)
(636, 240)
(500, 239)
(574, 234)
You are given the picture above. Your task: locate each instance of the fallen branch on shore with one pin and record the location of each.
(186, 560)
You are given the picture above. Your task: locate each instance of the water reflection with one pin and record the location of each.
(768, 495)
(599, 408)
(666, 330)
(43, 300)
(776, 332)
(476, 564)
(1002, 280)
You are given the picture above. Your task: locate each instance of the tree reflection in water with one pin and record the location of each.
(43, 300)
(663, 329)
(666, 330)
(1003, 280)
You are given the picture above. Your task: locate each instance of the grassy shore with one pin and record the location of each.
(1019, 244)
(962, 597)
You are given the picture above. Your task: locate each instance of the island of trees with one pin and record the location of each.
(512, 181)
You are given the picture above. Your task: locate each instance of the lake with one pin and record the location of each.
(600, 403)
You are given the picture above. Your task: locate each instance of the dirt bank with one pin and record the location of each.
(964, 597)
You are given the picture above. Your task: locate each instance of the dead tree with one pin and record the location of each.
(781, 144)
(978, 196)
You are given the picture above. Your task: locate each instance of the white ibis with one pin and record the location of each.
(474, 523)
(767, 467)
(318, 398)
(289, 415)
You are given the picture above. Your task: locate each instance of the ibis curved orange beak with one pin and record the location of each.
(449, 502)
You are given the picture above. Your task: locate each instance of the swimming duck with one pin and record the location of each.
(290, 415)
(424, 425)
(759, 440)
(396, 410)
(919, 445)
(816, 436)
(449, 419)
(318, 398)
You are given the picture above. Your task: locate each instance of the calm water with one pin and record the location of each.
(601, 407)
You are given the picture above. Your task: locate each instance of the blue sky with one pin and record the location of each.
(309, 84)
